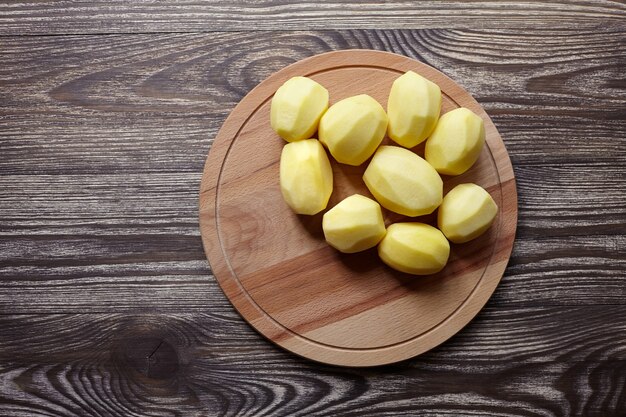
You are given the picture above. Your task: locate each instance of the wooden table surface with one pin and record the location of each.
(107, 303)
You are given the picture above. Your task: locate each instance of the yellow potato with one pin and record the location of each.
(403, 182)
(353, 225)
(414, 248)
(297, 107)
(413, 109)
(353, 128)
(456, 142)
(306, 178)
(466, 212)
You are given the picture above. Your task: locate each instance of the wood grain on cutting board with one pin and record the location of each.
(343, 309)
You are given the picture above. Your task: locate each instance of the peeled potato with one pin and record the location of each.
(456, 142)
(414, 248)
(306, 178)
(403, 182)
(353, 128)
(353, 225)
(466, 212)
(297, 107)
(413, 109)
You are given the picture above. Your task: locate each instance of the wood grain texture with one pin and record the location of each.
(300, 293)
(102, 142)
(508, 362)
(120, 16)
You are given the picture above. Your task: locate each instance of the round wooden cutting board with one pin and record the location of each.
(300, 293)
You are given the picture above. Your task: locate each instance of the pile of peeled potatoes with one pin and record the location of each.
(400, 180)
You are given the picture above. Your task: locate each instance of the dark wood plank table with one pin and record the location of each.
(107, 303)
